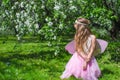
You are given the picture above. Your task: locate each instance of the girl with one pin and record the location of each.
(83, 63)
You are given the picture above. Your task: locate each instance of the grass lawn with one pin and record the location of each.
(34, 60)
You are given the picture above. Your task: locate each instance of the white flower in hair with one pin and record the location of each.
(77, 22)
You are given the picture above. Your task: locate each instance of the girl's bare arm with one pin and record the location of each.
(92, 48)
(88, 56)
(83, 55)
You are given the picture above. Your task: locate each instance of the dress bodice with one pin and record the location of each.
(88, 44)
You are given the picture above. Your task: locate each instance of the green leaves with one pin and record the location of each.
(5, 2)
(52, 19)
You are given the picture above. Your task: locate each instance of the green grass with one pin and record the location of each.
(34, 60)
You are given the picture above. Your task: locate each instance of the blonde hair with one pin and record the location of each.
(82, 33)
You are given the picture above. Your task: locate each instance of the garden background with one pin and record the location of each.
(33, 35)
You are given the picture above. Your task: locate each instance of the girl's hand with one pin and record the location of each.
(85, 66)
(87, 58)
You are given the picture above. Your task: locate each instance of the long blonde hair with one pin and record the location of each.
(82, 33)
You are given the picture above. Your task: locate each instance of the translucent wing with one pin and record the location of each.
(103, 44)
(70, 47)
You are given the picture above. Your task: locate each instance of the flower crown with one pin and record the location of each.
(77, 22)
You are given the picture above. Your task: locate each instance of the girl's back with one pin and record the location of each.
(88, 44)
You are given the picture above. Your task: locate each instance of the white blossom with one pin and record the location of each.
(22, 12)
(72, 7)
(16, 3)
(22, 4)
(3, 15)
(16, 26)
(46, 19)
(30, 30)
(36, 15)
(12, 7)
(34, 7)
(18, 14)
(25, 14)
(51, 30)
(61, 26)
(22, 30)
(57, 7)
(6, 12)
(18, 37)
(32, 2)
(36, 26)
(56, 52)
(39, 31)
(17, 20)
(42, 6)
(64, 16)
(27, 22)
(26, 5)
(49, 44)
(54, 37)
(70, 1)
(50, 23)
(44, 13)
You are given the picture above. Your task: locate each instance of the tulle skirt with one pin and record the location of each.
(75, 67)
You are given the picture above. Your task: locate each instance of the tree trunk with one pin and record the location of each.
(115, 29)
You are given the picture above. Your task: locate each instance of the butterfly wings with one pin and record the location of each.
(70, 47)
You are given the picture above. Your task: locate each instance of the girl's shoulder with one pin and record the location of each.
(93, 36)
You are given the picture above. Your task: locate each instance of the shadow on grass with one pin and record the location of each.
(106, 71)
(43, 55)
(115, 57)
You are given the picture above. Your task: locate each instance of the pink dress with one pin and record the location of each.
(75, 67)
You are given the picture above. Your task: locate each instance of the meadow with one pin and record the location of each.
(32, 59)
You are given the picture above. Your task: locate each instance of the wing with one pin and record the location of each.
(103, 44)
(70, 47)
